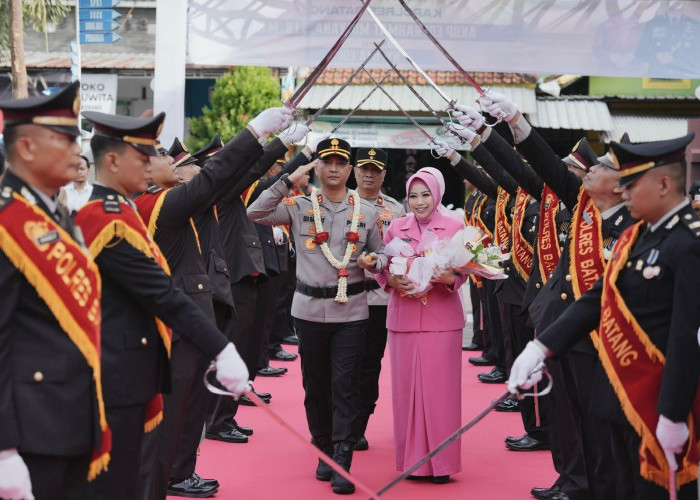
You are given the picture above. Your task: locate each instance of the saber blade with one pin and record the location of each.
(343, 86)
(442, 49)
(413, 63)
(445, 443)
(352, 112)
(299, 94)
(410, 87)
(277, 418)
(410, 118)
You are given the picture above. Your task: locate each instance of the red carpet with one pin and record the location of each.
(273, 465)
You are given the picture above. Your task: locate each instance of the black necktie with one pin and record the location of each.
(63, 219)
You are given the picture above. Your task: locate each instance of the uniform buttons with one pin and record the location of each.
(538, 285)
(200, 287)
(144, 340)
(567, 277)
(629, 263)
(507, 268)
(38, 376)
(564, 296)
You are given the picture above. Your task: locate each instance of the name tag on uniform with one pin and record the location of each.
(46, 238)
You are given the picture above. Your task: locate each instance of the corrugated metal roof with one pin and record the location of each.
(338, 76)
(89, 60)
(572, 114)
(646, 128)
(353, 94)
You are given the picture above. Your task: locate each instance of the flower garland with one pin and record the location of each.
(322, 238)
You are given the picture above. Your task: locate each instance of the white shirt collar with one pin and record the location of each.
(610, 211)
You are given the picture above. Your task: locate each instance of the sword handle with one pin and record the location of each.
(544, 391)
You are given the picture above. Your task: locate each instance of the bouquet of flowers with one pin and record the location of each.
(471, 255)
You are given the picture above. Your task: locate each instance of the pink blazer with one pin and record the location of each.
(443, 310)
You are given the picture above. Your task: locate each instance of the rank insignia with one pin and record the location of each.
(311, 211)
(380, 201)
(351, 200)
(27, 194)
(288, 201)
(319, 197)
(618, 220)
(310, 244)
(674, 220)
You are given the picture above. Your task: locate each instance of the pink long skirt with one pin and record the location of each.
(426, 395)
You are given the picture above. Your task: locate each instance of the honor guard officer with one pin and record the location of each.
(139, 299)
(645, 311)
(53, 435)
(332, 227)
(370, 172)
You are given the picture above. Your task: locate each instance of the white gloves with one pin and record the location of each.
(231, 371)
(442, 148)
(468, 117)
(527, 368)
(498, 106)
(312, 144)
(15, 483)
(465, 133)
(672, 436)
(278, 234)
(293, 134)
(271, 120)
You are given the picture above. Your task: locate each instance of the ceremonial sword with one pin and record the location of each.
(262, 405)
(352, 112)
(395, 43)
(343, 86)
(451, 439)
(299, 94)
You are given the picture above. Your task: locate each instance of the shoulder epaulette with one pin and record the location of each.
(154, 189)
(111, 205)
(692, 222)
(5, 197)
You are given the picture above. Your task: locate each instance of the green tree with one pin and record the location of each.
(14, 16)
(238, 96)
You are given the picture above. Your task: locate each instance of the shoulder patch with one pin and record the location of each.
(692, 222)
(288, 201)
(154, 189)
(5, 197)
(111, 205)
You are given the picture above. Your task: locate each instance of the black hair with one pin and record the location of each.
(676, 171)
(102, 145)
(9, 137)
(87, 162)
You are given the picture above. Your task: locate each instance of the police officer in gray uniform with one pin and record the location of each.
(333, 228)
(370, 172)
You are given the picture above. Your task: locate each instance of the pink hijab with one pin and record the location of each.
(441, 184)
(435, 184)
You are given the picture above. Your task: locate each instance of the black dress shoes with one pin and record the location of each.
(246, 401)
(243, 430)
(291, 340)
(283, 355)
(439, 479)
(515, 439)
(472, 347)
(229, 436)
(205, 482)
(509, 405)
(528, 443)
(495, 376)
(192, 487)
(481, 361)
(271, 371)
(361, 444)
(545, 493)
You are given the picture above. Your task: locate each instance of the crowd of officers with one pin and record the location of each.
(111, 317)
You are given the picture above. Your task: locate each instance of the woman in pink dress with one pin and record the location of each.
(425, 339)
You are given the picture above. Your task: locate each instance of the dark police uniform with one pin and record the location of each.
(178, 239)
(665, 306)
(48, 403)
(134, 290)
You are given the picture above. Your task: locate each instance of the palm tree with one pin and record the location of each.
(13, 14)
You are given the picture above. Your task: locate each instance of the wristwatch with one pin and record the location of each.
(287, 182)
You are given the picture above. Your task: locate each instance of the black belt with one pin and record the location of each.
(329, 292)
(371, 285)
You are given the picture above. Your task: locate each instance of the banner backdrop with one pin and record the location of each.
(587, 37)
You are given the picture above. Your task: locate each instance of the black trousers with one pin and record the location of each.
(119, 482)
(496, 346)
(564, 428)
(245, 335)
(283, 324)
(330, 355)
(58, 478)
(371, 359)
(478, 323)
(267, 306)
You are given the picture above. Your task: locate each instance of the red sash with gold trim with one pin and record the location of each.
(99, 229)
(68, 281)
(635, 368)
(245, 195)
(548, 250)
(150, 205)
(522, 253)
(475, 220)
(586, 262)
(502, 228)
